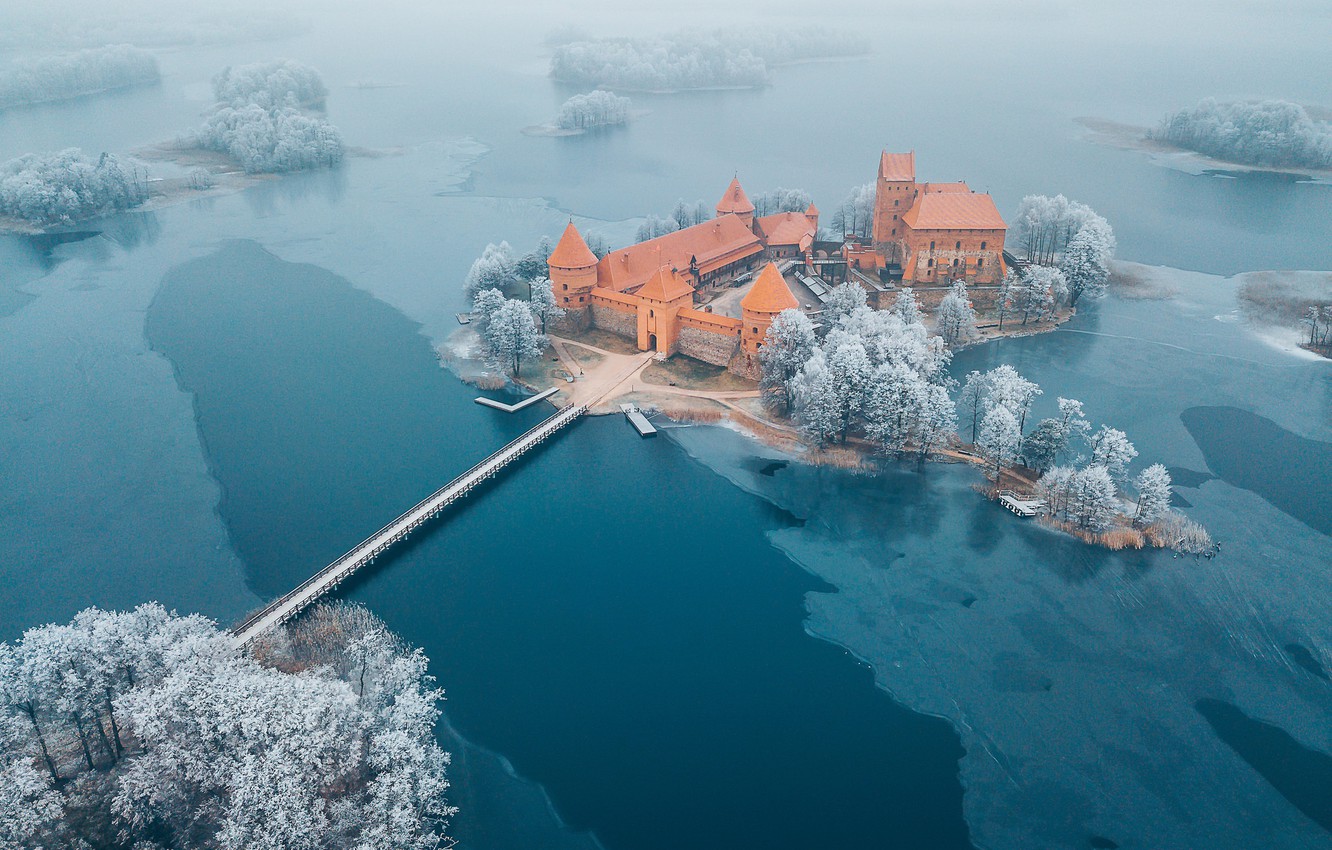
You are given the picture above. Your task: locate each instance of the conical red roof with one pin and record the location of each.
(666, 285)
(572, 252)
(770, 294)
(813, 210)
(735, 200)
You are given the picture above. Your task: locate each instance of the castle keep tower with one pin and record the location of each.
(573, 270)
(769, 296)
(737, 202)
(894, 193)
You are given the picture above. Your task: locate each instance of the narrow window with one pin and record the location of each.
(982, 246)
(931, 264)
(958, 246)
(566, 287)
(931, 245)
(980, 263)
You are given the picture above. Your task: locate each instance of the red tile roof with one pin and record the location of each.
(769, 294)
(714, 244)
(945, 187)
(665, 285)
(898, 167)
(735, 200)
(954, 211)
(572, 252)
(788, 228)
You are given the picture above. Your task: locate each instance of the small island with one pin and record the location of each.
(586, 112)
(837, 347)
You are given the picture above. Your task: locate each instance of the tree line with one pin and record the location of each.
(594, 109)
(63, 187)
(1268, 133)
(53, 78)
(697, 59)
(144, 729)
(259, 122)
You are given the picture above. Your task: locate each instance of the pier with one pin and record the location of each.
(308, 592)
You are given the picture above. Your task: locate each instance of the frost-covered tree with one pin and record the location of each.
(544, 304)
(1005, 301)
(532, 265)
(971, 399)
(494, 269)
(687, 215)
(851, 371)
(956, 317)
(271, 85)
(597, 244)
(258, 119)
(695, 59)
(905, 306)
(510, 336)
(1154, 492)
(819, 399)
(654, 226)
(1035, 292)
(1086, 263)
(1006, 388)
(935, 421)
(781, 200)
(1045, 225)
(1092, 501)
(999, 438)
(787, 345)
(1111, 449)
(1051, 438)
(64, 187)
(53, 78)
(484, 306)
(843, 299)
(855, 215)
(594, 109)
(287, 747)
(1270, 133)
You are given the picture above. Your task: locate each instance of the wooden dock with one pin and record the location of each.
(308, 592)
(514, 408)
(638, 420)
(1022, 504)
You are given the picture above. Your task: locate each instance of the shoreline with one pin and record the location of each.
(1131, 137)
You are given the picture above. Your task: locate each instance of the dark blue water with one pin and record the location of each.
(638, 654)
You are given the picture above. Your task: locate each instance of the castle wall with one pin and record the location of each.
(707, 345)
(573, 321)
(617, 320)
(971, 255)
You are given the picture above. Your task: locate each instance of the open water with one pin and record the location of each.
(694, 641)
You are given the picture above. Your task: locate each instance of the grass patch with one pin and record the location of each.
(694, 374)
(605, 339)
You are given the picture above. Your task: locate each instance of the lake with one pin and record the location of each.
(653, 643)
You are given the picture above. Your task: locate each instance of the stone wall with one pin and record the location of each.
(615, 321)
(573, 322)
(714, 348)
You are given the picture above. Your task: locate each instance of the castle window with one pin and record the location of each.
(958, 246)
(651, 314)
(894, 216)
(895, 202)
(982, 246)
(931, 264)
(931, 245)
(980, 263)
(954, 263)
(755, 330)
(580, 299)
(566, 289)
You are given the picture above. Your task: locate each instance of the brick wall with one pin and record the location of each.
(573, 322)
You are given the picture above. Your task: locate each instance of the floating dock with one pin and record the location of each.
(1022, 504)
(514, 408)
(638, 420)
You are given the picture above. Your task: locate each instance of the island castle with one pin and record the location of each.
(668, 294)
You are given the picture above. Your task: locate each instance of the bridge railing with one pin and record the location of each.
(569, 412)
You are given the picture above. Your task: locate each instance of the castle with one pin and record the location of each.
(659, 292)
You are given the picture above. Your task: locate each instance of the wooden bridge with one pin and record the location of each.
(285, 607)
